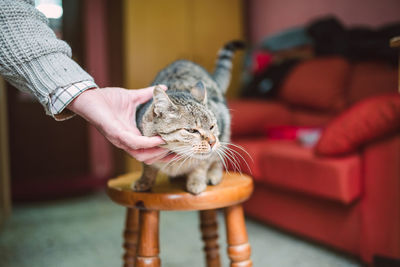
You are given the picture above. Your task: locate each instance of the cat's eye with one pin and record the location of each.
(191, 130)
(212, 127)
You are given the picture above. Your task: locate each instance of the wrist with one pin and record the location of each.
(81, 100)
(62, 97)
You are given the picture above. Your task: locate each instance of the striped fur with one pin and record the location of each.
(222, 72)
(193, 119)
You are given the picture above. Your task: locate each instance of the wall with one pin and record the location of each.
(270, 16)
(5, 196)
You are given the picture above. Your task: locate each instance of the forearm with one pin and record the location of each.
(31, 56)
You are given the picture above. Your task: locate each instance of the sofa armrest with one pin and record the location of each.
(380, 230)
(251, 117)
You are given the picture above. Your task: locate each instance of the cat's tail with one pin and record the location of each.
(223, 67)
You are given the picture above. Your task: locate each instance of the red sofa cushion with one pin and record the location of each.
(317, 83)
(288, 165)
(368, 120)
(371, 78)
(249, 116)
(310, 118)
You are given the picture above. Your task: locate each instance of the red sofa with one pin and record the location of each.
(345, 191)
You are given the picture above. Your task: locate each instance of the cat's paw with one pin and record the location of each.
(214, 176)
(141, 185)
(214, 179)
(195, 186)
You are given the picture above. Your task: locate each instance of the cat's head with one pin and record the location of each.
(184, 122)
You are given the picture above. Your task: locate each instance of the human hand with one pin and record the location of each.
(112, 111)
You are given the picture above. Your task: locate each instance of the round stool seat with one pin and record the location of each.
(170, 194)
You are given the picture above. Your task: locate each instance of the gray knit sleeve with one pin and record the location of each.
(31, 57)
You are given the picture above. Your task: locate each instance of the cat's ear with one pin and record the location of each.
(162, 103)
(199, 92)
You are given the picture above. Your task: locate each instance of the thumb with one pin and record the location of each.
(143, 95)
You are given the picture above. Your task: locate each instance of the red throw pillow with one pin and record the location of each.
(367, 120)
(317, 83)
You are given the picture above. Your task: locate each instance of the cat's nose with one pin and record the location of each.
(211, 141)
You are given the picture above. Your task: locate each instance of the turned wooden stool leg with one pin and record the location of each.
(238, 246)
(209, 233)
(131, 236)
(148, 249)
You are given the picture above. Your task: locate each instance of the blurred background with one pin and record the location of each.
(125, 44)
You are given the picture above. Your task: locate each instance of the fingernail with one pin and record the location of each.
(163, 86)
(159, 139)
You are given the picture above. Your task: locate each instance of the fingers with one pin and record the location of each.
(141, 142)
(149, 155)
(142, 95)
(168, 158)
(142, 148)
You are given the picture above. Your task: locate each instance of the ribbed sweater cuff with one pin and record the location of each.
(46, 74)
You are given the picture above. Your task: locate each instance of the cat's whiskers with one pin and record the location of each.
(222, 159)
(181, 153)
(225, 158)
(172, 162)
(177, 150)
(183, 150)
(226, 144)
(232, 154)
(232, 159)
(176, 157)
(188, 157)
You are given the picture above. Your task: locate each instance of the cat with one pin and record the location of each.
(192, 118)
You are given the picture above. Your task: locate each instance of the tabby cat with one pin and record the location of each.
(192, 118)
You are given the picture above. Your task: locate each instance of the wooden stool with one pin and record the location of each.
(141, 241)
